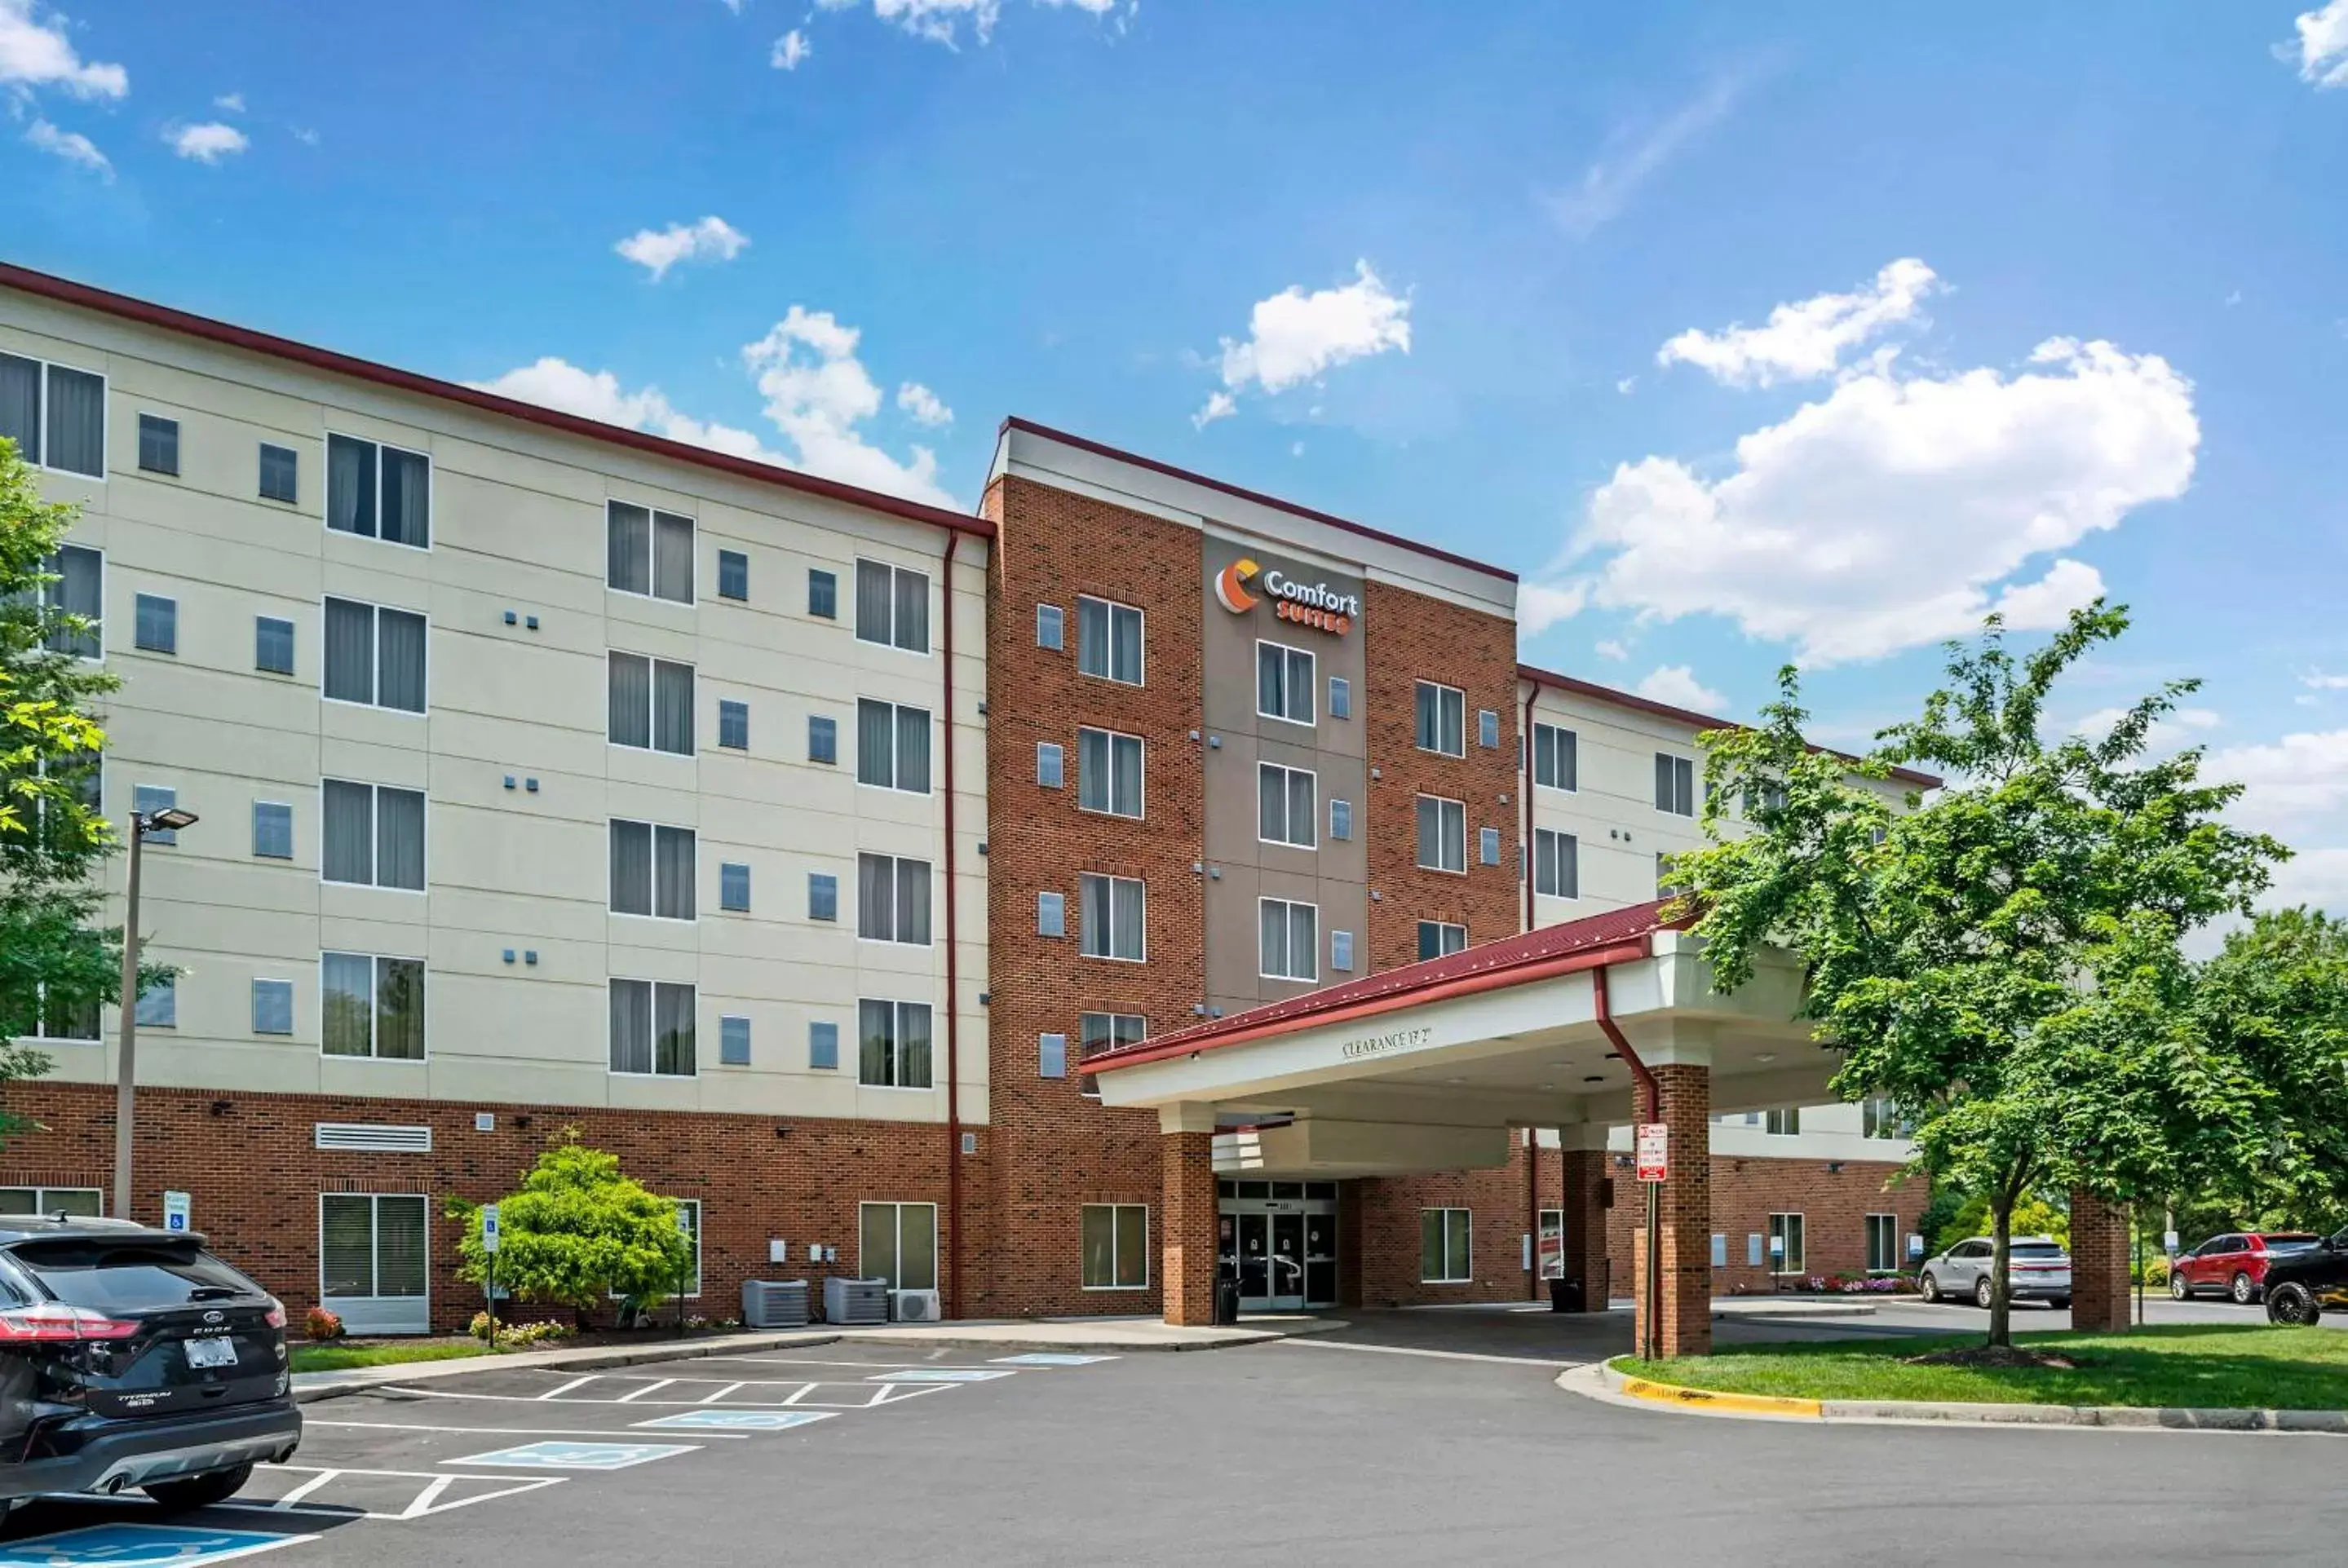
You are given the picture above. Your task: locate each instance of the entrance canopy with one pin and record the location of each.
(1430, 1067)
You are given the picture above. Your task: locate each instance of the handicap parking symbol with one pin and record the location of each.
(1049, 1358)
(134, 1545)
(942, 1375)
(739, 1420)
(574, 1456)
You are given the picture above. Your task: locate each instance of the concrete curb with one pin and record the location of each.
(588, 1359)
(1601, 1381)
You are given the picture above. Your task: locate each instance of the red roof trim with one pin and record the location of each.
(1590, 688)
(1099, 450)
(146, 314)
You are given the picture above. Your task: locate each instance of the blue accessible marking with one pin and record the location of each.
(576, 1456)
(1049, 1358)
(129, 1545)
(740, 1420)
(940, 1375)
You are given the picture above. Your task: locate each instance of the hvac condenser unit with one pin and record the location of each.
(774, 1303)
(914, 1305)
(855, 1300)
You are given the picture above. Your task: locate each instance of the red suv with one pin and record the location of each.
(2234, 1263)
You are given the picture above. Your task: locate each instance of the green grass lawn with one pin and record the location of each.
(342, 1358)
(2204, 1365)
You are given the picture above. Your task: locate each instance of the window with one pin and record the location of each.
(651, 705)
(1288, 939)
(688, 1219)
(1050, 1055)
(74, 600)
(374, 835)
(1341, 697)
(1557, 864)
(158, 444)
(149, 799)
(272, 830)
(1487, 729)
(734, 725)
(1879, 1118)
(156, 624)
(648, 552)
(1785, 1122)
(892, 606)
(61, 1019)
(373, 1246)
(375, 655)
(1437, 938)
(1047, 765)
(652, 870)
(1442, 833)
(1785, 1253)
(371, 1006)
(1108, 772)
(733, 1040)
(378, 492)
(823, 739)
(1763, 802)
(823, 594)
(1557, 758)
(823, 1046)
(1441, 719)
(1052, 915)
(1882, 1242)
(281, 472)
(1285, 812)
(1340, 819)
(1674, 785)
(273, 1007)
(1446, 1247)
(1283, 682)
(1341, 951)
(823, 896)
(892, 899)
(1116, 1247)
(159, 1005)
(273, 645)
(732, 575)
(1099, 1031)
(892, 746)
(1549, 1244)
(1488, 847)
(1665, 887)
(56, 415)
(894, 1044)
(898, 1242)
(1051, 623)
(83, 1203)
(1108, 641)
(652, 1028)
(734, 888)
(1112, 910)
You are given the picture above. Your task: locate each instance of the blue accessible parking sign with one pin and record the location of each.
(942, 1375)
(134, 1545)
(576, 1456)
(739, 1420)
(1049, 1358)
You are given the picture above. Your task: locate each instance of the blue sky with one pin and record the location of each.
(1962, 311)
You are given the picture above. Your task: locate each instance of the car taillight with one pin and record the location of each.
(56, 1322)
(275, 1316)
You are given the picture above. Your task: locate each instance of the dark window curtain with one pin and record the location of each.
(20, 404)
(346, 1004)
(1092, 637)
(1303, 941)
(875, 743)
(1662, 781)
(1092, 769)
(350, 651)
(1568, 866)
(912, 619)
(672, 873)
(627, 548)
(913, 750)
(673, 558)
(399, 1008)
(1425, 699)
(913, 902)
(345, 1244)
(912, 1045)
(1125, 776)
(407, 498)
(1272, 937)
(1126, 664)
(1124, 916)
(631, 1026)
(78, 593)
(1268, 669)
(1301, 812)
(632, 868)
(1452, 721)
(672, 708)
(350, 485)
(1092, 913)
(673, 1031)
(346, 846)
(631, 700)
(1430, 831)
(399, 838)
(875, 1030)
(876, 898)
(401, 659)
(401, 1223)
(77, 422)
(875, 598)
(1271, 804)
(280, 474)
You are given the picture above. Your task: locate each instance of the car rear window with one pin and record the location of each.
(109, 1276)
(2033, 1249)
(2290, 1243)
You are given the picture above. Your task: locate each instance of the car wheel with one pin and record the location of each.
(2177, 1289)
(201, 1490)
(2293, 1305)
(2242, 1290)
(1984, 1292)
(1929, 1287)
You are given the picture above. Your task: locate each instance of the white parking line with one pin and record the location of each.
(810, 1361)
(1431, 1355)
(426, 1501)
(886, 1394)
(648, 1389)
(713, 1398)
(305, 1489)
(574, 1383)
(497, 1431)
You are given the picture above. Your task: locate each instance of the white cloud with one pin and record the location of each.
(1806, 340)
(789, 50)
(69, 144)
(657, 250)
(940, 21)
(1610, 649)
(35, 53)
(2317, 680)
(1888, 513)
(1677, 684)
(1295, 337)
(230, 103)
(305, 136)
(1634, 154)
(922, 404)
(2298, 791)
(1219, 405)
(1541, 605)
(205, 143)
(597, 394)
(2322, 45)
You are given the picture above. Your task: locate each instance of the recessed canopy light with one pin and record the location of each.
(1613, 1056)
(1455, 1080)
(1546, 1086)
(1593, 1078)
(1766, 1056)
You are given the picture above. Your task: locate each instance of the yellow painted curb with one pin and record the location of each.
(1714, 1399)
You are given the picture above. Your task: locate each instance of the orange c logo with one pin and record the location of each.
(1231, 586)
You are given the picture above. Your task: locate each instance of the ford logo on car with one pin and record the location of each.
(215, 1317)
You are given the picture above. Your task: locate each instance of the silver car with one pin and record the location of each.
(2038, 1270)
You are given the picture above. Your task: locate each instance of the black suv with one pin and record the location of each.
(2300, 1285)
(133, 1357)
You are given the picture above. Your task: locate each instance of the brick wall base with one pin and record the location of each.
(2099, 1264)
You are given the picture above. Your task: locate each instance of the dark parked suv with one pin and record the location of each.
(2300, 1285)
(133, 1357)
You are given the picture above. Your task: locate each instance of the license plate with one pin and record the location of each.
(211, 1353)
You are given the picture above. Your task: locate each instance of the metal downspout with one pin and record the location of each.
(953, 991)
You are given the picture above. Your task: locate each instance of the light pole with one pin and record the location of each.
(169, 820)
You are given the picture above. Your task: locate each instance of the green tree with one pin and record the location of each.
(578, 1232)
(2002, 960)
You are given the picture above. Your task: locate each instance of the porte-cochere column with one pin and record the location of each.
(1187, 1214)
(1685, 1092)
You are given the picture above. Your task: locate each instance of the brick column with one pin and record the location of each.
(2099, 1263)
(1685, 1093)
(1583, 1197)
(1187, 1226)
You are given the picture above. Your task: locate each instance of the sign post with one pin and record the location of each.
(489, 1238)
(1653, 1141)
(175, 1212)
(1654, 1152)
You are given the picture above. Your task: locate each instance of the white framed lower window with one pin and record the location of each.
(898, 1242)
(1786, 1253)
(1446, 1247)
(371, 1006)
(894, 1040)
(82, 1203)
(1882, 1242)
(1116, 1247)
(1288, 939)
(1285, 812)
(688, 1220)
(375, 1261)
(1113, 912)
(653, 1028)
(1557, 864)
(1442, 834)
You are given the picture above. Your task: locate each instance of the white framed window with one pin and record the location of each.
(1786, 1254)
(375, 655)
(1784, 1121)
(378, 492)
(1882, 1242)
(1113, 914)
(1108, 641)
(1446, 1246)
(1341, 952)
(734, 576)
(78, 588)
(892, 606)
(1557, 864)
(1285, 808)
(1549, 1244)
(733, 1040)
(81, 1203)
(651, 706)
(653, 869)
(892, 746)
(1099, 1031)
(1049, 765)
(648, 552)
(688, 1220)
(898, 1242)
(1341, 697)
(281, 474)
(893, 1044)
(1442, 718)
(1879, 1117)
(371, 1006)
(1439, 938)
(653, 1028)
(273, 1007)
(56, 1019)
(1116, 1247)
(55, 414)
(1487, 729)
(1108, 772)
(374, 1260)
(1052, 915)
(371, 835)
(1674, 785)
(892, 899)
(159, 1005)
(1442, 833)
(1283, 682)
(1288, 939)
(1557, 758)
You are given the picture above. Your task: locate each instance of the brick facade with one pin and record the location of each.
(1747, 1189)
(1189, 1222)
(2099, 1263)
(1683, 1233)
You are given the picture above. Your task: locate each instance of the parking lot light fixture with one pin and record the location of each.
(171, 819)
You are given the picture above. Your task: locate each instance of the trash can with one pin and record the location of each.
(1227, 1301)
(1567, 1296)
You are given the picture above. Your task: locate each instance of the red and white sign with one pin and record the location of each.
(1654, 1152)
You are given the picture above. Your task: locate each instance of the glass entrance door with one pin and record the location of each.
(1279, 1240)
(1255, 1262)
(1287, 1274)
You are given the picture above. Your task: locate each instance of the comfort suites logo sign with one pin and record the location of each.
(1242, 585)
